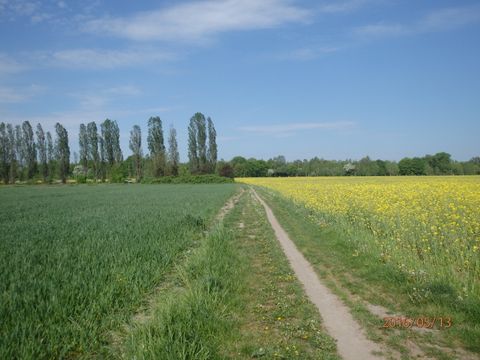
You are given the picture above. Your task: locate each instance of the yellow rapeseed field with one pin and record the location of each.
(427, 226)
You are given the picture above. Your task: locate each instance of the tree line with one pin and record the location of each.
(100, 157)
(438, 164)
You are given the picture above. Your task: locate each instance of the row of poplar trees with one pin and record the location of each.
(162, 162)
(202, 158)
(21, 157)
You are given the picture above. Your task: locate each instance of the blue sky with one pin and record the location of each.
(335, 79)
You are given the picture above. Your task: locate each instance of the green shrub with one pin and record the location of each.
(188, 179)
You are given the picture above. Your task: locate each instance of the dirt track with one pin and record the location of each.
(351, 340)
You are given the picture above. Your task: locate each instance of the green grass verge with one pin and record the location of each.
(359, 276)
(233, 297)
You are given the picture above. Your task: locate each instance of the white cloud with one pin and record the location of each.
(383, 30)
(199, 20)
(9, 95)
(99, 98)
(9, 65)
(106, 59)
(341, 6)
(18, 95)
(307, 53)
(292, 127)
(448, 18)
(437, 20)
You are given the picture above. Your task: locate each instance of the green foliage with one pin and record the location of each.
(118, 172)
(156, 145)
(66, 284)
(110, 144)
(201, 160)
(136, 148)
(173, 155)
(29, 149)
(225, 169)
(415, 166)
(189, 179)
(62, 151)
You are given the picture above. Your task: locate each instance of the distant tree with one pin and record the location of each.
(239, 165)
(475, 160)
(117, 151)
(62, 152)
(156, 145)
(136, 148)
(11, 153)
(103, 158)
(92, 141)
(366, 167)
(412, 166)
(441, 163)
(349, 168)
(4, 154)
(50, 155)
(111, 142)
(193, 160)
(19, 149)
(84, 148)
(173, 155)
(212, 146)
(391, 168)
(201, 142)
(28, 144)
(42, 151)
(225, 169)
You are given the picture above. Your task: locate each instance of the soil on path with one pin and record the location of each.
(337, 319)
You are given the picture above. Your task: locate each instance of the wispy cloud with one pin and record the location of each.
(18, 95)
(9, 95)
(105, 59)
(277, 129)
(200, 20)
(307, 53)
(100, 98)
(338, 6)
(438, 20)
(9, 65)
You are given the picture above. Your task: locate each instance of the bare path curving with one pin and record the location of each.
(352, 343)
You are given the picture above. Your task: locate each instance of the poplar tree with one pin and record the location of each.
(192, 147)
(212, 146)
(103, 159)
(117, 151)
(28, 144)
(83, 147)
(50, 155)
(62, 151)
(19, 146)
(4, 149)
(173, 155)
(136, 147)
(42, 151)
(12, 153)
(92, 140)
(201, 142)
(156, 145)
(111, 141)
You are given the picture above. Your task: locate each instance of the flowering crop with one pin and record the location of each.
(427, 226)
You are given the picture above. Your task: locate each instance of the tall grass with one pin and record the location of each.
(75, 262)
(193, 321)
